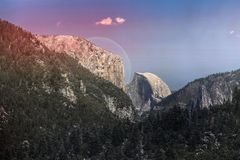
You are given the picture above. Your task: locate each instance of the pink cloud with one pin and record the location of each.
(109, 21)
(106, 22)
(120, 20)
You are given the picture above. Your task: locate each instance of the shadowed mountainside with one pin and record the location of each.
(204, 92)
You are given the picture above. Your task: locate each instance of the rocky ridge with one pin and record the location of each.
(202, 93)
(98, 60)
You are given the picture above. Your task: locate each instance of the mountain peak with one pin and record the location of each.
(159, 87)
(146, 90)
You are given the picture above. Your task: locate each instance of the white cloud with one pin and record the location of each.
(235, 33)
(106, 22)
(120, 20)
(232, 32)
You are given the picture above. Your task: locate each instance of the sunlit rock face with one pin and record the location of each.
(98, 60)
(43, 66)
(146, 90)
(204, 92)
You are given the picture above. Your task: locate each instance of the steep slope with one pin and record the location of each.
(47, 99)
(146, 90)
(15, 39)
(21, 47)
(97, 60)
(201, 93)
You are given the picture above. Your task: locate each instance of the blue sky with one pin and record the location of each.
(179, 40)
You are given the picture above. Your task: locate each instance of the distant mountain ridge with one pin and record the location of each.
(215, 89)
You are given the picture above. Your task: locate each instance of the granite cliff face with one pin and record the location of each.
(212, 90)
(146, 90)
(99, 61)
(45, 68)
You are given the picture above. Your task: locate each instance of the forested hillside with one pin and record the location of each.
(50, 106)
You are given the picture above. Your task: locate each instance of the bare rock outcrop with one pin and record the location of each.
(146, 90)
(98, 60)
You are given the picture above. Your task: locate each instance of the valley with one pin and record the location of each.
(63, 97)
